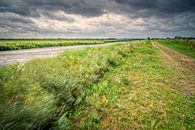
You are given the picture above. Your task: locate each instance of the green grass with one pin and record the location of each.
(184, 46)
(44, 92)
(141, 93)
(27, 44)
(116, 87)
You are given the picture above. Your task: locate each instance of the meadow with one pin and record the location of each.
(39, 43)
(124, 86)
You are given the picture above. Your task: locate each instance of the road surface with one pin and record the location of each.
(19, 56)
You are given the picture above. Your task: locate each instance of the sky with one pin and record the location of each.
(96, 18)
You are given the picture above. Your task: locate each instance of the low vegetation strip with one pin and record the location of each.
(27, 44)
(185, 46)
(117, 87)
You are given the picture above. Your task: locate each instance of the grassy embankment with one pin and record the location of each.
(27, 44)
(121, 86)
(185, 46)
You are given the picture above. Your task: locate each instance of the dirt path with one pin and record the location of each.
(176, 58)
(19, 56)
(185, 67)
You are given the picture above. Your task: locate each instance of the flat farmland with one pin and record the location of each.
(27, 43)
(146, 84)
(97, 64)
(23, 55)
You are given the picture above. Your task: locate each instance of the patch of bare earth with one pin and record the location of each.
(184, 65)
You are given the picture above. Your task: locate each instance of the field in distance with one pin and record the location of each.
(36, 43)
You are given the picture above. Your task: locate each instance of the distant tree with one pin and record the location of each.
(148, 38)
(178, 37)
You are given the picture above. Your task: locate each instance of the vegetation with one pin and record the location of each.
(185, 46)
(26, 44)
(121, 87)
(43, 93)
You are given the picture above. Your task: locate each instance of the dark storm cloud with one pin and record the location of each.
(139, 4)
(33, 8)
(15, 18)
(97, 7)
(169, 15)
(158, 8)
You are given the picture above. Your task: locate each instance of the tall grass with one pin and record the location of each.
(43, 93)
(117, 87)
(143, 92)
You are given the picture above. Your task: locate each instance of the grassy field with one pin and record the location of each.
(26, 44)
(185, 46)
(117, 87)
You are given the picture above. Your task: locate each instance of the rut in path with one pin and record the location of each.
(176, 58)
(184, 64)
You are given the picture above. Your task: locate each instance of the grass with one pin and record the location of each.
(27, 44)
(182, 45)
(116, 87)
(43, 93)
(141, 93)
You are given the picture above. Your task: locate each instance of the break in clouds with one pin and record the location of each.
(96, 18)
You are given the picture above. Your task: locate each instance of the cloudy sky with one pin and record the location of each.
(96, 18)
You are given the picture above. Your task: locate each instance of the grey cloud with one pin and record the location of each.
(92, 8)
(161, 6)
(154, 8)
(56, 16)
(33, 7)
(139, 4)
(170, 15)
(14, 18)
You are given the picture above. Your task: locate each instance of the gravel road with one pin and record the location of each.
(19, 56)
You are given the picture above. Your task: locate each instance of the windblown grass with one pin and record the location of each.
(43, 93)
(141, 93)
(118, 87)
